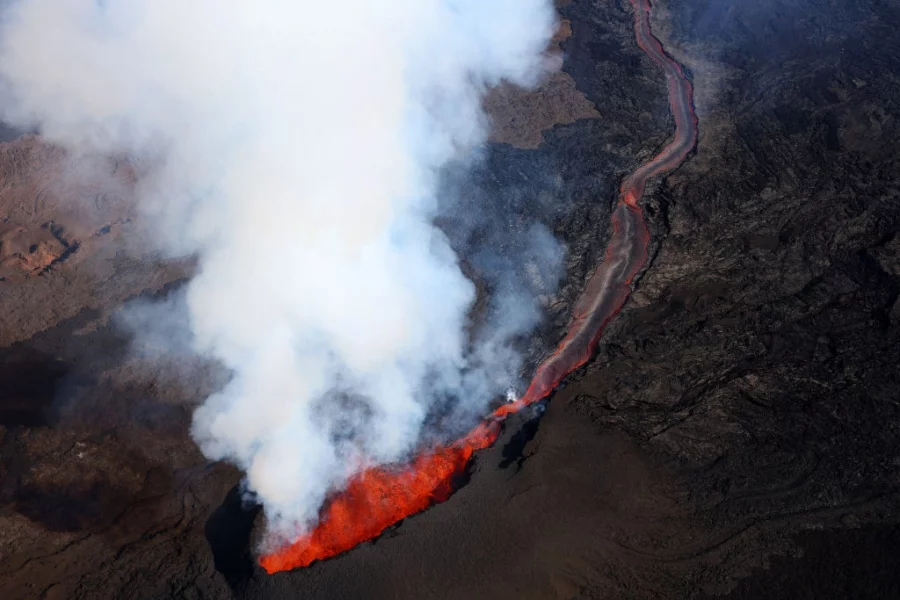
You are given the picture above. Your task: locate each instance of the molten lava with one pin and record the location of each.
(378, 497)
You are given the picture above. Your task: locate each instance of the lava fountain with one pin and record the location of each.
(378, 497)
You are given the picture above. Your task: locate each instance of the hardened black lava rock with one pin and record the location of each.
(737, 432)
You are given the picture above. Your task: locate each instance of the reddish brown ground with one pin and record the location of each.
(520, 117)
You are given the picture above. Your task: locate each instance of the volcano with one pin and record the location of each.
(379, 497)
(725, 182)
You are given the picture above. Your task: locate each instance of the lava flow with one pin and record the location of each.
(378, 497)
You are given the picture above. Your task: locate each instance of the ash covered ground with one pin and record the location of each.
(736, 435)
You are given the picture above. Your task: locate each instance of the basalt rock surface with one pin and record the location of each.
(737, 434)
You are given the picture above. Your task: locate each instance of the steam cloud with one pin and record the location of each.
(294, 146)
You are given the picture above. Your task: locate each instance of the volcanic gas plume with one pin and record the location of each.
(293, 148)
(379, 497)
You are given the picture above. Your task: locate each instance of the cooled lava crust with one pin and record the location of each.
(736, 433)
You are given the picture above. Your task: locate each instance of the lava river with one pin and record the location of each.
(378, 497)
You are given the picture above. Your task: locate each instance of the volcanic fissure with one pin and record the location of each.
(379, 497)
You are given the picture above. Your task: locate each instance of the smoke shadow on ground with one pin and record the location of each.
(514, 450)
(29, 383)
(228, 532)
(76, 507)
(9, 133)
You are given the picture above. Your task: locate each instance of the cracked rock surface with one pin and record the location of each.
(736, 434)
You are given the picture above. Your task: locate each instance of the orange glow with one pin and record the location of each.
(378, 497)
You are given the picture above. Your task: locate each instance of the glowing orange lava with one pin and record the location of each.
(378, 497)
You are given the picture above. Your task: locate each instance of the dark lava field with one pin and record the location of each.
(737, 434)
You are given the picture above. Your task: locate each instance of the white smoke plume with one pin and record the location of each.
(293, 147)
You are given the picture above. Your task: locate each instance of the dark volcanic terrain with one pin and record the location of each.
(736, 435)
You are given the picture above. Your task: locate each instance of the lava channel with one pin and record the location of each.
(379, 497)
